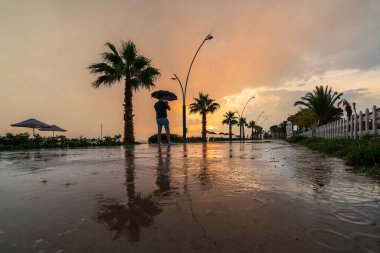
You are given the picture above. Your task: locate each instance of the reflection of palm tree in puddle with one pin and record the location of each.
(205, 176)
(128, 218)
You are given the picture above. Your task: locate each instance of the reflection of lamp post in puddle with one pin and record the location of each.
(184, 88)
(186, 186)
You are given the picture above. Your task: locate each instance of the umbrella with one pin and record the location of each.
(210, 132)
(31, 123)
(52, 128)
(166, 95)
(221, 133)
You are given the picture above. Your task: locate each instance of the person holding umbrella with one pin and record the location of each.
(161, 107)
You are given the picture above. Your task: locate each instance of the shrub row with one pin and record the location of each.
(361, 152)
(24, 141)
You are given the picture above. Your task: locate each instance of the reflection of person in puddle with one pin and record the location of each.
(163, 172)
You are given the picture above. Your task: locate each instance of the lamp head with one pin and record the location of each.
(174, 78)
(209, 37)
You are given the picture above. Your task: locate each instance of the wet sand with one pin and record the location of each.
(219, 197)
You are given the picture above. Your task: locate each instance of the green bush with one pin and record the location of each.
(364, 151)
(24, 141)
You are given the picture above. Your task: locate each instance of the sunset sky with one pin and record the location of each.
(274, 50)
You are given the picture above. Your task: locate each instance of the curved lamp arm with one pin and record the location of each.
(180, 83)
(208, 37)
(246, 105)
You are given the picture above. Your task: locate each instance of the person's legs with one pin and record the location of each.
(159, 130)
(167, 130)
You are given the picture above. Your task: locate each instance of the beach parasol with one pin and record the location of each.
(210, 132)
(52, 128)
(166, 95)
(31, 123)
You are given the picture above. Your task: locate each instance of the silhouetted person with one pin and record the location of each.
(161, 108)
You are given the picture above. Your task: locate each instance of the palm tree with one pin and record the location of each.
(230, 119)
(135, 69)
(242, 122)
(275, 129)
(251, 125)
(203, 105)
(259, 131)
(347, 108)
(322, 101)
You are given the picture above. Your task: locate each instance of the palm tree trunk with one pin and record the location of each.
(129, 137)
(243, 132)
(240, 132)
(252, 133)
(204, 127)
(230, 132)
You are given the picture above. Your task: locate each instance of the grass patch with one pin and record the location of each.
(363, 153)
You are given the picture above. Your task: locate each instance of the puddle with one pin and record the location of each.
(186, 198)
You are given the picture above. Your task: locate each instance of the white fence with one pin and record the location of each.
(368, 122)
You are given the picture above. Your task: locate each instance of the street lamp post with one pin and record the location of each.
(242, 112)
(257, 120)
(184, 88)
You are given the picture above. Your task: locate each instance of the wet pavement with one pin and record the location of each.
(218, 197)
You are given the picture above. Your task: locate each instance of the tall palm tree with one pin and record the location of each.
(135, 69)
(242, 122)
(251, 125)
(322, 101)
(230, 119)
(347, 108)
(203, 105)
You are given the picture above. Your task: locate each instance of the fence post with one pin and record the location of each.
(329, 130)
(374, 119)
(337, 128)
(366, 121)
(360, 123)
(333, 129)
(334, 133)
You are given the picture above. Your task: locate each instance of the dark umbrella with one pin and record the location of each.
(53, 128)
(210, 132)
(31, 123)
(166, 95)
(221, 133)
